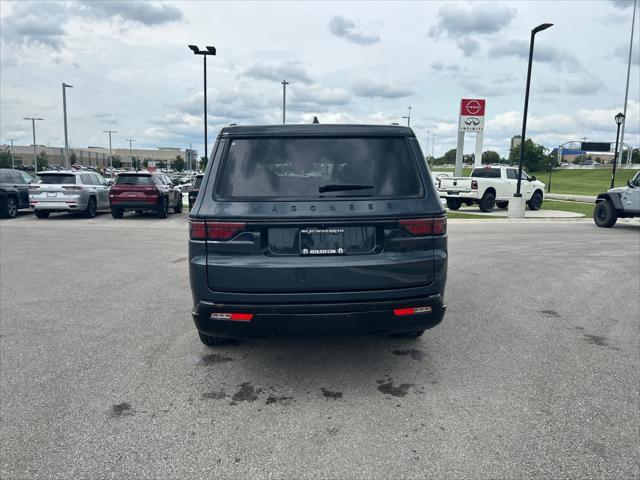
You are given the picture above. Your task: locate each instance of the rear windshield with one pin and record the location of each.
(134, 180)
(318, 167)
(486, 173)
(56, 178)
(196, 182)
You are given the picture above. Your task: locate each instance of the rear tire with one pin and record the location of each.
(502, 205)
(163, 209)
(416, 334)
(91, 210)
(454, 203)
(117, 212)
(42, 214)
(488, 202)
(605, 214)
(178, 207)
(10, 208)
(215, 341)
(536, 201)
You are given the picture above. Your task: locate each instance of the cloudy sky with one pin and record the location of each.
(360, 62)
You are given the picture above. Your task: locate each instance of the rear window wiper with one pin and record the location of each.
(338, 187)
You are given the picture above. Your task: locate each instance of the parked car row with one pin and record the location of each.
(86, 192)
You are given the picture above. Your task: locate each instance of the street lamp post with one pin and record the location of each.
(284, 101)
(205, 53)
(408, 117)
(539, 28)
(131, 140)
(619, 118)
(13, 163)
(66, 136)
(110, 154)
(35, 155)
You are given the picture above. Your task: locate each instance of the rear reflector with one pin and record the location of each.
(208, 230)
(474, 184)
(425, 226)
(234, 317)
(401, 312)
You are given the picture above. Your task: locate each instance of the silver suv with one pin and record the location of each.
(69, 191)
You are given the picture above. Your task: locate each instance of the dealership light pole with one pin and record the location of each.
(619, 118)
(205, 53)
(35, 155)
(408, 117)
(539, 28)
(626, 93)
(131, 140)
(66, 136)
(284, 101)
(110, 154)
(13, 163)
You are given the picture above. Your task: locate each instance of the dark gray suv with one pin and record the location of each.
(310, 229)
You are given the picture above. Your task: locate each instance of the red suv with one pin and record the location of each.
(143, 191)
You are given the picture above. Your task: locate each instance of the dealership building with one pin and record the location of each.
(99, 156)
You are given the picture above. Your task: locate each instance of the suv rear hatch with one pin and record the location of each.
(54, 187)
(134, 187)
(319, 215)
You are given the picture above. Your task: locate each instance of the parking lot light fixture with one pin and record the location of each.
(538, 29)
(13, 162)
(110, 154)
(131, 140)
(66, 135)
(209, 50)
(408, 117)
(35, 155)
(619, 118)
(284, 101)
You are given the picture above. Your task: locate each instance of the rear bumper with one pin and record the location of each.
(319, 319)
(134, 205)
(464, 195)
(51, 206)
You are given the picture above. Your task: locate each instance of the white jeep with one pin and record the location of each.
(620, 202)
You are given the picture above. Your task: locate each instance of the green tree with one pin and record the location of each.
(5, 158)
(635, 155)
(43, 160)
(490, 156)
(73, 158)
(179, 164)
(534, 158)
(116, 161)
(203, 163)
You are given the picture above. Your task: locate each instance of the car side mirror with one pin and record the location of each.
(532, 178)
(630, 183)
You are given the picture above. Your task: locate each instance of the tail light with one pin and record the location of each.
(150, 191)
(424, 227)
(403, 312)
(474, 184)
(208, 230)
(72, 187)
(234, 317)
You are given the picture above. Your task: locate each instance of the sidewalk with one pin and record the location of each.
(571, 197)
(502, 213)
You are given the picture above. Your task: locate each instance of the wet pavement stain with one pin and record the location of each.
(121, 410)
(213, 395)
(214, 359)
(331, 395)
(246, 393)
(389, 388)
(271, 399)
(599, 340)
(414, 354)
(551, 313)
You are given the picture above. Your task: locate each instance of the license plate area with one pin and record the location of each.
(52, 194)
(322, 241)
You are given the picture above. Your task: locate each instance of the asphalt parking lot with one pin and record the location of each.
(534, 372)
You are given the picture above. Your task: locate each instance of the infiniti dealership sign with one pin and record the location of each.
(471, 115)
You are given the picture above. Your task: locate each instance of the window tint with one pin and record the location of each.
(5, 177)
(486, 173)
(87, 179)
(57, 178)
(196, 182)
(512, 174)
(134, 180)
(27, 178)
(17, 178)
(298, 167)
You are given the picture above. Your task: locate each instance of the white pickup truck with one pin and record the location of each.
(488, 187)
